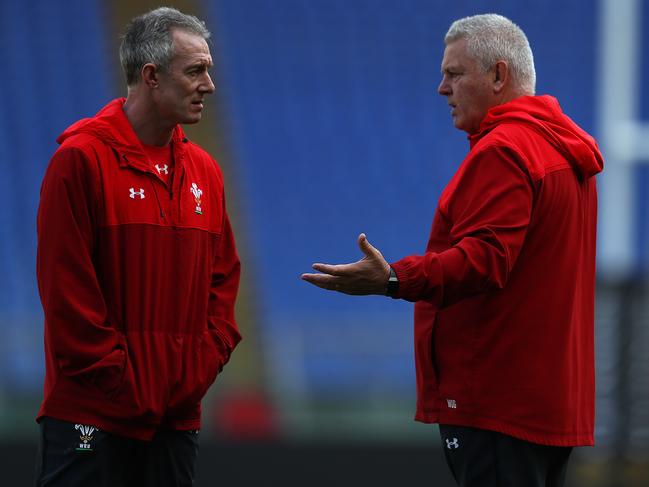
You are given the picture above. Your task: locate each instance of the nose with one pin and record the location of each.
(444, 88)
(207, 86)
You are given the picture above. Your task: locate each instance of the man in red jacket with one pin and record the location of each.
(137, 271)
(505, 290)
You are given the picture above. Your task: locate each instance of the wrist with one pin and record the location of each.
(392, 288)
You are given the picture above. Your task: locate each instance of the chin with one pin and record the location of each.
(460, 125)
(192, 119)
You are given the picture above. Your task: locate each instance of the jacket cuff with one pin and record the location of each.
(418, 284)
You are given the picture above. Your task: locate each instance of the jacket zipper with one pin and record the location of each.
(153, 176)
(155, 191)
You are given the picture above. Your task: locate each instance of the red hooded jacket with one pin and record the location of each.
(504, 314)
(137, 279)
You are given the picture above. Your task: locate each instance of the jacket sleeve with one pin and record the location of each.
(489, 211)
(226, 272)
(78, 339)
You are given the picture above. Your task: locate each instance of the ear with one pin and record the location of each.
(500, 76)
(149, 75)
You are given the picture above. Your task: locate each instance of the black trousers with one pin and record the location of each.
(482, 458)
(74, 455)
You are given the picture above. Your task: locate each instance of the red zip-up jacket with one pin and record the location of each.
(504, 313)
(137, 279)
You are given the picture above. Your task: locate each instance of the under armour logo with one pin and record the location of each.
(452, 444)
(137, 193)
(162, 169)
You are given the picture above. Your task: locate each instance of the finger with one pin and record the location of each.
(338, 269)
(326, 268)
(313, 279)
(321, 280)
(366, 247)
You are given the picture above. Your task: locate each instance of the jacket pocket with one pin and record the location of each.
(212, 359)
(144, 391)
(425, 356)
(107, 373)
(204, 360)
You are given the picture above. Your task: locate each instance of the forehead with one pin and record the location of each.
(190, 48)
(456, 54)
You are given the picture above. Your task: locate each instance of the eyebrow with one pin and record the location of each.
(199, 65)
(451, 67)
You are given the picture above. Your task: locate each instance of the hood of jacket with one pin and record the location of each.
(544, 114)
(111, 126)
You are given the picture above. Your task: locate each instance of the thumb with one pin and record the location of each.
(366, 247)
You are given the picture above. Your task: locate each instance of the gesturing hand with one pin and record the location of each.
(366, 276)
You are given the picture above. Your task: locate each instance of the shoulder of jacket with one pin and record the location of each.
(516, 136)
(499, 147)
(201, 156)
(523, 144)
(497, 142)
(83, 142)
(82, 152)
(195, 150)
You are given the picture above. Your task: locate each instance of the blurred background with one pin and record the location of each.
(327, 123)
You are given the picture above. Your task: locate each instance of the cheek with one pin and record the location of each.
(465, 94)
(473, 99)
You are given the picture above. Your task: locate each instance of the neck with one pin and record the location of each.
(512, 93)
(506, 98)
(143, 117)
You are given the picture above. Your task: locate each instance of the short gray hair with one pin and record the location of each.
(492, 37)
(147, 39)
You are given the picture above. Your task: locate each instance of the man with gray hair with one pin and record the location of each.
(504, 293)
(138, 273)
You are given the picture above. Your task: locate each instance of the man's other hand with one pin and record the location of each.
(366, 276)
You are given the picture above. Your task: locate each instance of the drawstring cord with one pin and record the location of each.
(155, 191)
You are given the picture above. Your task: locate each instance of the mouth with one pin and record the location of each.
(198, 104)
